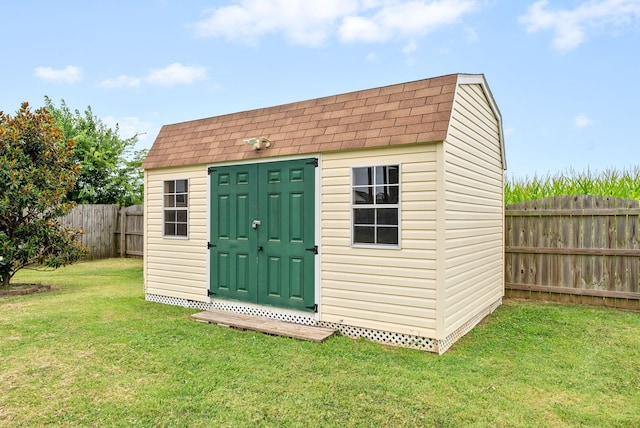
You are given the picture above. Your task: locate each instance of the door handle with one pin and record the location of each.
(259, 247)
(256, 223)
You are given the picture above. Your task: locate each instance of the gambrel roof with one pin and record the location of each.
(406, 113)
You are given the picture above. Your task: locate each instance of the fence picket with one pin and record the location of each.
(588, 244)
(101, 227)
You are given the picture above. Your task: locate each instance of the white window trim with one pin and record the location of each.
(164, 210)
(352, 206)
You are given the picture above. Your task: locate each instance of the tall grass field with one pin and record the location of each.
(610, 182)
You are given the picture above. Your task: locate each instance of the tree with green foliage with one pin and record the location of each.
(109, 170)
(37, 172)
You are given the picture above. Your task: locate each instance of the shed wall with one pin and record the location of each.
(378, 288)
(176, 267)
(474, 215)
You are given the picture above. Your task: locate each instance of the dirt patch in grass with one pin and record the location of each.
(22, 289)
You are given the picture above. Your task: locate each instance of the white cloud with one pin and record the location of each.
(70, 74)
(171, 75)
(570, 27)
(358, 28)
(405, 19)
(312, 22)
(130, 126)
(372, 57)
(121, 81)
(176, 74)
(410, 47)
(304, 22)
(581, 121)
(472, 35)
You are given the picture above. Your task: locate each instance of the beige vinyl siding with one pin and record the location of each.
(473, 209)
(176, 267)
(381, 288)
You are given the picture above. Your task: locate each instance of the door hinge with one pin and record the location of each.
(211, 293)
(210, 170)
(313, 249)
(210, 245)
(313, 162)
(314, 307)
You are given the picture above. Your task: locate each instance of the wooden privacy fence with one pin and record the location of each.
(131, 232)
(574, 248)
(108, 230)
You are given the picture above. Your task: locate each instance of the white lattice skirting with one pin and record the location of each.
(385, 337)
(414, 342)
(237, 308)
(465, 328)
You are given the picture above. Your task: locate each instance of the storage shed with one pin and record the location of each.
(378, 212)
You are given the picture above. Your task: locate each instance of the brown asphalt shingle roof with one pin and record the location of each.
(405, 113)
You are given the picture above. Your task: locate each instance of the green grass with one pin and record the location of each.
(611, 182)
(94, 353)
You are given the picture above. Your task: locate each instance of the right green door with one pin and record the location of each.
(263, 233)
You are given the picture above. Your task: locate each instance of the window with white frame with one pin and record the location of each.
(375, 205)
(176, 206)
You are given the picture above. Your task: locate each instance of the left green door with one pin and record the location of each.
(263, 233)
(233, 208)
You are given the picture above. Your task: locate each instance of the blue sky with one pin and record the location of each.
(564, 73)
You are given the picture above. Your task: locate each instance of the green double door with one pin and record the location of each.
(262, 233)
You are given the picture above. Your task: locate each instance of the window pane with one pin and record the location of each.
(181, 200)
(387, 216)
(387, 235)
(182, 230)
(363, 195)
(381, 175)
(386, 194)
(379, 188)
(364, 215)
(175, 195)
(169, 229)
(181, 186)
(387, 174)
(363, 235)
(362, 176)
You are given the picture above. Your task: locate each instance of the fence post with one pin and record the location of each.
(123, 232)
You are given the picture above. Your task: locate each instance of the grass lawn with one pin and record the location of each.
(94, 353)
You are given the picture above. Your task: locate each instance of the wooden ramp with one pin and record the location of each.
(264, 325)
